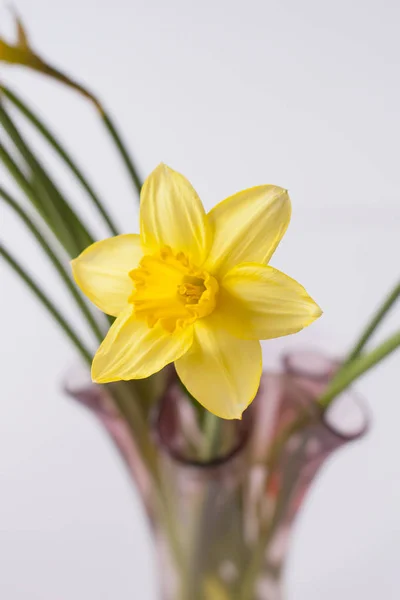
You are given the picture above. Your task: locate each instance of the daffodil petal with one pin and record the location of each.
(220, 371)
(259, 302)
(102, 271)
(132, 350)
(171, 214)
(247, 227)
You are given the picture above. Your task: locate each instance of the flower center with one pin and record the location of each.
(171, 291)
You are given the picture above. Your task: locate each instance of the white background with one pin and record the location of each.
(232, 94)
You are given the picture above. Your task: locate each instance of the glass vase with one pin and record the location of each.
(222, 527)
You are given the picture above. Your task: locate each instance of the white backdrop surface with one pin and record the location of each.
(232, 94)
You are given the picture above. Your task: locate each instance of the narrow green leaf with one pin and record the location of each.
(48, 304)
(389, 301)
(62, 152)
(132, 170)
(22, 53)
(53, 220)
(72, 289)
(360, 365)
(55, 202)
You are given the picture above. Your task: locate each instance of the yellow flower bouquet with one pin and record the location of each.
(221, 452)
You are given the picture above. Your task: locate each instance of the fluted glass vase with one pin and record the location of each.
(222, 526)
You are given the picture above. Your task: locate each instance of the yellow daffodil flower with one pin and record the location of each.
(195, 289)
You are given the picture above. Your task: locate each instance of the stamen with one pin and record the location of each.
(192, 289)
(171, 291)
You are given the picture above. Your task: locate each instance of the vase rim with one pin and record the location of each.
(363, 414)
(317, 366)
(244, 431)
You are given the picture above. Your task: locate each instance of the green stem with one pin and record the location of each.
(111, 128)
(358, 367)
(373, 324)
(129, 405)
(212, 434)
(13, 204)
(85, 353)
(344, 377)
(62, 152)
(267, 529)
(304, 418)
(51, 198)
(191, 582)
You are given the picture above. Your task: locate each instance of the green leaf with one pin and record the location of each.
(53, 220)
(21, 53)
(65, 277)
(47, 303)
(53, 202)
(62, 152)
